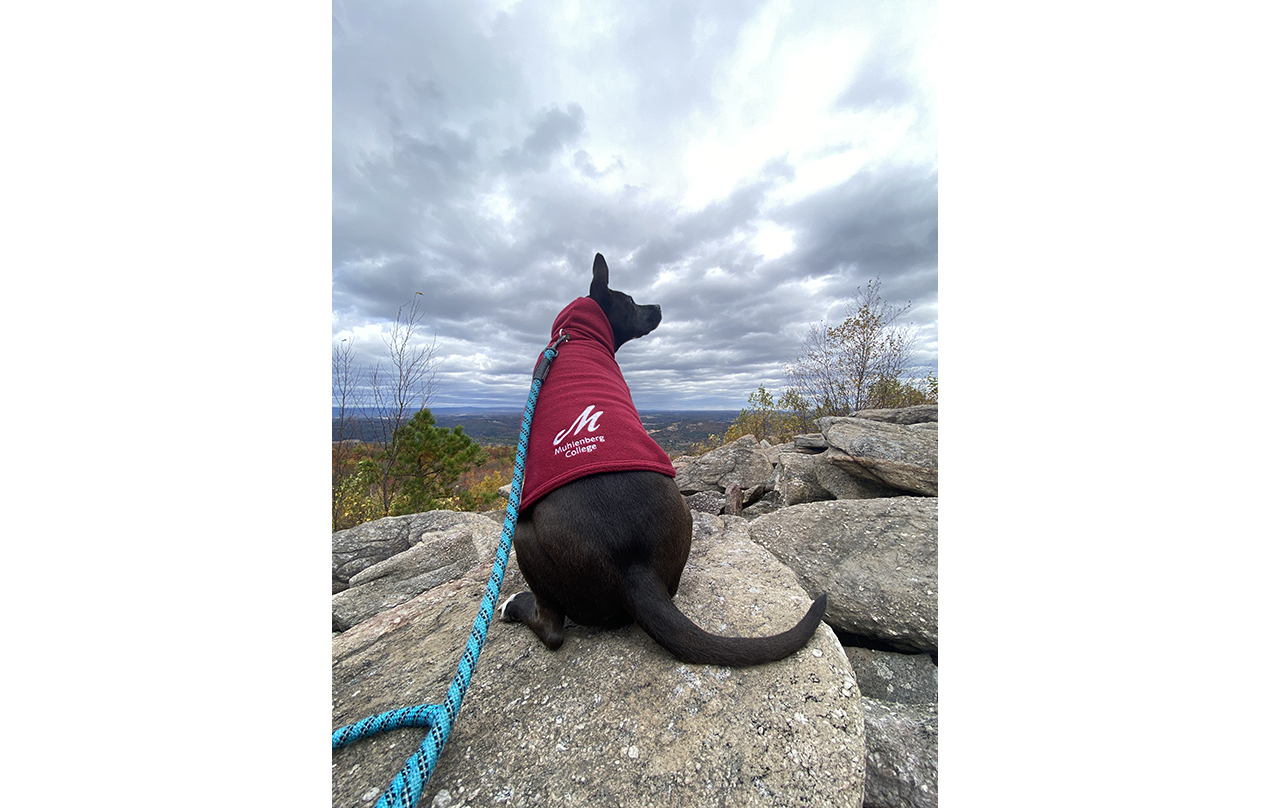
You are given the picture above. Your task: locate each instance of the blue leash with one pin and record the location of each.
(406, 787)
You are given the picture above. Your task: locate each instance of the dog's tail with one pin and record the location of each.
(649, 603)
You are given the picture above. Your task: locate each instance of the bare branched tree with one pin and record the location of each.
(405, 385)
(401, 388)
(841, 366)
(346, 392)
(346, 378)
(817, 375)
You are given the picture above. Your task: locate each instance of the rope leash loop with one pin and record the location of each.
(438, 719)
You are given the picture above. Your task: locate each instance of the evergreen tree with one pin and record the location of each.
(427, 462)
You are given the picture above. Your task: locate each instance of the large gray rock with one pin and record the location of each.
(741, 462)
(796, 480)
(900, 692)
(811, 444)
(842, 485)
(891, 454)
(773, 453)
(611, 718)
(769, 503)
(365, 545)
(903, 678)
(437, 557)
(711, 502)
(903, 769)
(920, 414)
(877, 559)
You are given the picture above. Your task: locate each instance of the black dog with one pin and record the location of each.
(610, 546)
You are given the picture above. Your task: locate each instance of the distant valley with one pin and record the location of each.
(674, 430)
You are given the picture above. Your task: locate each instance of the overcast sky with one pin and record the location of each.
(745, 165)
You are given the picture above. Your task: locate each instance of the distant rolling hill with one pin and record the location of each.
(674, 430)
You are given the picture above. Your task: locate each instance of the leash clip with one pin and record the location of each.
(548, 355)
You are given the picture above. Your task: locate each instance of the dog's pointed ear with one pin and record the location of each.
(599, 280)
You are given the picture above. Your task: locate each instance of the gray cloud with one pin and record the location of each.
(553, 130)
(483, 157)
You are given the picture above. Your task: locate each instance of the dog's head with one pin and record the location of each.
(629, 319)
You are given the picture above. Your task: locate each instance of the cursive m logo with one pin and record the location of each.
(587, 419)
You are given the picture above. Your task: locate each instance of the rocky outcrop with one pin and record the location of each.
(795, 479)
(438, 556)
(361, 547)
(921, 414)
(810, 443)
(877, 559)
(798, 477)
(903, 767)
(711, 502)
(891, 454)
(611, 718)
(868, 455)
(901, 678)
(901, 722)
(741, 462)
(842, 485)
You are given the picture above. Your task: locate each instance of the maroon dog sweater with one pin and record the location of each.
(585, 421)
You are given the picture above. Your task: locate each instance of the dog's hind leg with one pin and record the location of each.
(540, 608)
(546, 622)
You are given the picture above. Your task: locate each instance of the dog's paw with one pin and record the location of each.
(514, 617)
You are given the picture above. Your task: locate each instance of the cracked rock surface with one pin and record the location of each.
(612, 718)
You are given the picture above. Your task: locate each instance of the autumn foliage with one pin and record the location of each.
(425, 467)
